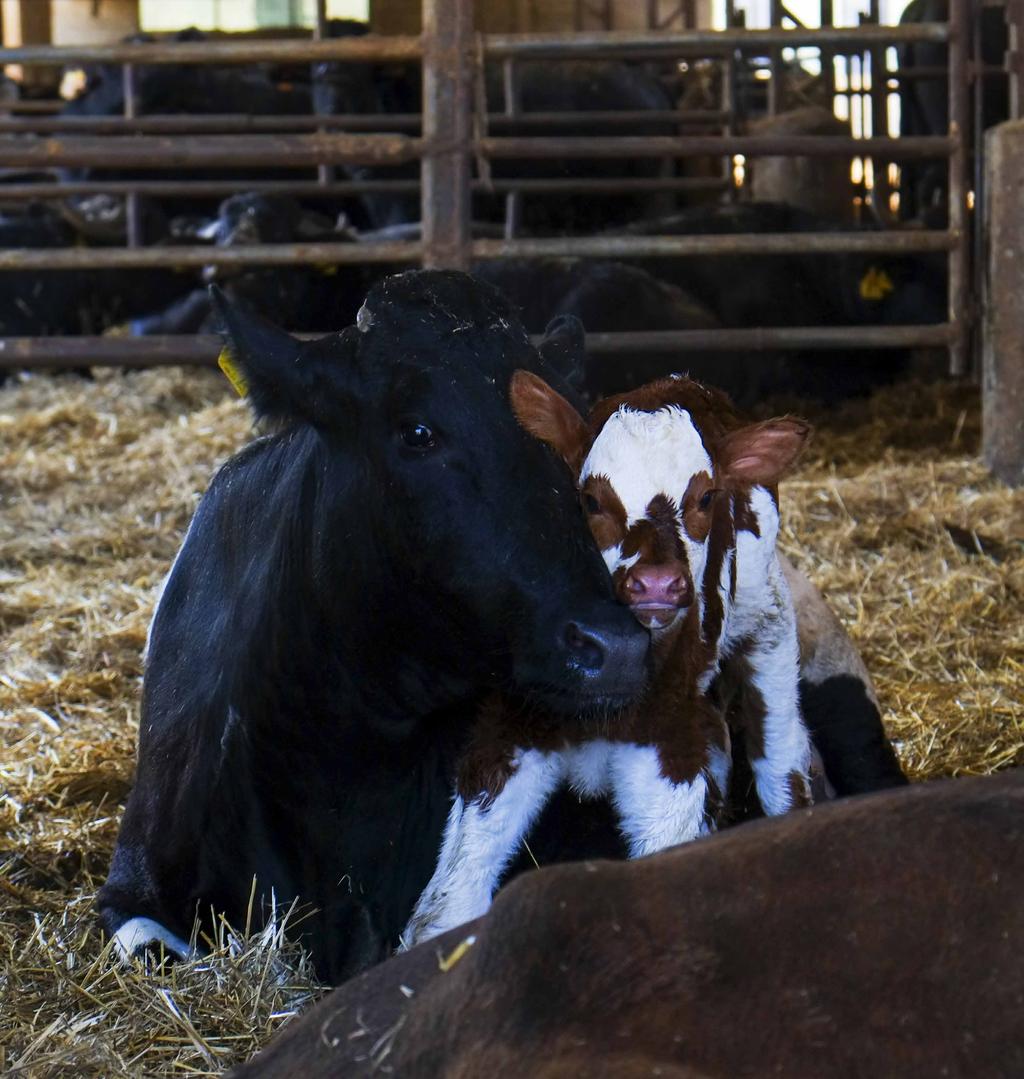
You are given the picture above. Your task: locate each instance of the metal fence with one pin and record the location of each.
(454, 134)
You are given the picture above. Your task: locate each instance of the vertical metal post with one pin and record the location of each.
(876, 62)
(879, 98)
(728, 102)
(959, 131)
(828, 67)
(514, 199)
(775, 62)
(977, 78)
(1015, 57)
(132, 208)
(447, 96)
(324, 173)
(1002, 384)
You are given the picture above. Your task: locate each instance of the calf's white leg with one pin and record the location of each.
(655, 812)
(479, 841)
(781, 774)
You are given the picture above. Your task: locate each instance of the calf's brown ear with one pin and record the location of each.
(547, 415)
(763, 452)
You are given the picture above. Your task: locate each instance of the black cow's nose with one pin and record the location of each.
(585, 647)
(610, 653)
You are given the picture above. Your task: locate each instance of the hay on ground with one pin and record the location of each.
(917, 548)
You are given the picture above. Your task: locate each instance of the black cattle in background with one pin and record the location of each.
(303, 298)
(350, 588)
(34, 303)
(549, 86)
(924, 102)
(179, 89)
(186, 89)
(54, 302)
(611, 297)
(745, 291)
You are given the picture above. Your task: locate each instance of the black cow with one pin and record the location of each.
(349, 587)
(799, 290)
(611, 297)
(343, 87)
(188, 89)
(924, 102)
(185, 89)
(39, 304)
(57, 302)
(303, 298)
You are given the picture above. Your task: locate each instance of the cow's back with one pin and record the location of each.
(879, 936)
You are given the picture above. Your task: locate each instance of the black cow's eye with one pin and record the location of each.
(418, 436)
(591, 504)
(706, 499)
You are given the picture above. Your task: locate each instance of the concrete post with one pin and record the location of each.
(1003, 346)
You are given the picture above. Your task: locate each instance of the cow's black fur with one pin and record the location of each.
(340, 603)
(847, 731)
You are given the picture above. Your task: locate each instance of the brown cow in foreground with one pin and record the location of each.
(876, 937)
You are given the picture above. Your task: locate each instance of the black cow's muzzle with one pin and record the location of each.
(598, 660)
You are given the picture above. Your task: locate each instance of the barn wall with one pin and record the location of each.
(524, 16)
(27, 22)
(74, 21)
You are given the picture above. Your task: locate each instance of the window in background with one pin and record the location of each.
(845, 12)
(159, 15)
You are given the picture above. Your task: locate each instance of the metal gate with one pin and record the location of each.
(456, 135)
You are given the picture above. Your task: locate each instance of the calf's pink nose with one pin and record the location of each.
(664, 584)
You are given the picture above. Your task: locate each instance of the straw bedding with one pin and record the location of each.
(891, 513)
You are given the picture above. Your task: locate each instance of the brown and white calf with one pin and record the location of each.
(681, 497)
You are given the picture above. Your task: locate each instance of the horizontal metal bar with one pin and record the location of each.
(372, 47)
(203, 349)
(174, 124)
(200, 189)
(170, 257)
(30, 107)
(762, 339)
(254, 51)
(405, 121)
(154, 152)
(785, 243)
(204, 189)
(895, 149)
(204, 151)
(326, 254)
(604, 185)
(199, 350)
(703, 42)
(608, 116)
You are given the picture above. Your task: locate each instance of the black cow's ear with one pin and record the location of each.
(563, 347)
(276, 384)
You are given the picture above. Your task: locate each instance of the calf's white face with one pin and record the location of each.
(649, 476)
(649, 482)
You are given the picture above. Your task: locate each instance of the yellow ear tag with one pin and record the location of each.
(234, 375)
(876, 285)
